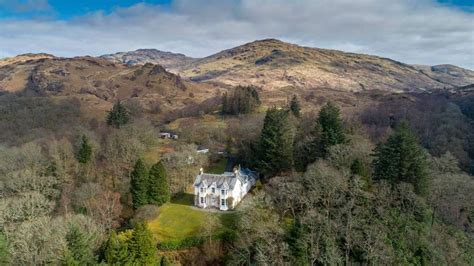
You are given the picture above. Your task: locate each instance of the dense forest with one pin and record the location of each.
(391, 184)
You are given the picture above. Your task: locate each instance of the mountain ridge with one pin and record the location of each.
(168, 60)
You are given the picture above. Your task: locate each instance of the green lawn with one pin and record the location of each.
(177, 220)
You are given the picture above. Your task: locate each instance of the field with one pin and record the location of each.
(177, 221)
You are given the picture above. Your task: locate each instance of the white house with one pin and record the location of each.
(223, 191)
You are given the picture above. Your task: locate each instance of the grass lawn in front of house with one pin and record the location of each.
(176, 220)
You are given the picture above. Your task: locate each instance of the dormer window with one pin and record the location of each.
(213, 190)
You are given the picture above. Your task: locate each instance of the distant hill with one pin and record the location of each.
(272, 63)
(23, 58)
(142, 56)
(98, 82)
(448, 74)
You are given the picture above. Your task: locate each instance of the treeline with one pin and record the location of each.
(240, 100)
(63, 193)
(442, 123)
(354, 202)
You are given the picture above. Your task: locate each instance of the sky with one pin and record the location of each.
(412, 31)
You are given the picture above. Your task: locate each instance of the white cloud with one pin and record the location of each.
(409, 31)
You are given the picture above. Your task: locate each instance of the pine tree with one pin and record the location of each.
(142, 246)
(275, 150)
(295, 106)
(402, 159)
(118, 116)
(84, 154)
(330, 124)
(158, 187)
(78, 251)
(116, 251)
(139, 184)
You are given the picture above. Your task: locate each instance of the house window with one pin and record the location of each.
(202, 190)
(223, 202)
(223, 192)
(213, 190)
(202, 199)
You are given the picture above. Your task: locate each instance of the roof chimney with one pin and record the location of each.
(201, 171)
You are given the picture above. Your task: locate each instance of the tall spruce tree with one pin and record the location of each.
(402, 159)
(275, 149)
(139, 184)
(78, 251)
(330, 126)
(295, 106)
(84, 154)
(118, 116)
(158, 187)
(142, 246)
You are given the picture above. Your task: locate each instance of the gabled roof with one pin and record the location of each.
(219, 180)
(244, 175)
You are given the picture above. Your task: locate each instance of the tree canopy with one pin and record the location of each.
(275, 149)
(295, 107)
(331, 127)
(84, 154)
(139, 184)
(402, 159)
(240, 100)
(159, 189)
(118, 116)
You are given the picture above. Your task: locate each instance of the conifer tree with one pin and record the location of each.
(357, 168)
(158, 187)
(78, 251)
(116, 251)
(275, 151)
(295, 106)
(118, 116)
(240, 100)
(139, 184)
(142, 246)
(84, 154)
(295, 242)
(330, 124)
(402, 159)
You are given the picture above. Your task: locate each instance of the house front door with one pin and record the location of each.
(214, 201)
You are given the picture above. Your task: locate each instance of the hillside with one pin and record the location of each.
(274, 64)
(448, 74)
(142, 56)
(98, 82)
